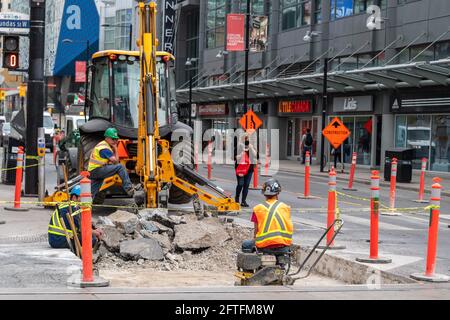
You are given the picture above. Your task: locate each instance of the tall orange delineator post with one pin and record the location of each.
(393, 189)
(19, 175)
(209, 160)
(433, 231)
(87, 279)
(374, 218)
(266, 162)
(306, 194)
(255, 177)
(331, 216)
(422, 182)
(352, 174)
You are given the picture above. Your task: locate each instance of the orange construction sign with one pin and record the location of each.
(250, 122)
(336, 133)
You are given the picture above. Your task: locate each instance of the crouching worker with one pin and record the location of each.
(104, 163)
(273, 224)
(56, 235)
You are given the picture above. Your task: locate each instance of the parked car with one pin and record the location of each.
(5, 131)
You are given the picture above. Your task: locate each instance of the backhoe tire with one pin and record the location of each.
(176, 195)
(87, 144)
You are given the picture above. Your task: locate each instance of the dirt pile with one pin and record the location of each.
(154, 239)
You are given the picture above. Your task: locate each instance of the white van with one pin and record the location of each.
(49, 128)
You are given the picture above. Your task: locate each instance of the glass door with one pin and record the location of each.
(290, 137)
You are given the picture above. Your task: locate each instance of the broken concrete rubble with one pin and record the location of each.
(191, 244)
(161, 216)
(148, 249)
(124, 220)
(112, 238)
(203, 234)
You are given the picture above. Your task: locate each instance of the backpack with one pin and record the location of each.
(309, 140)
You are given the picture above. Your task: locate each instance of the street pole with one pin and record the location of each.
(190, 100)
(324, 113)
(131, 36)
(35, 93)
(87, 75)
(247, 51)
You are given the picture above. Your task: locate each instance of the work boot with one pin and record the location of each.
(130, 191)
(245, 204)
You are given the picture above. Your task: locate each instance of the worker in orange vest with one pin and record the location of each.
(273, 224)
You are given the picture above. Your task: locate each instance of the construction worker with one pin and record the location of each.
(56, 235)
(104, 163)
(273, 224)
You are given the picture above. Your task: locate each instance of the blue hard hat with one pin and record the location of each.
(76, 191)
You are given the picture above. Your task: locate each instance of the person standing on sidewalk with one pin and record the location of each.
(306, 144)
(244, 151)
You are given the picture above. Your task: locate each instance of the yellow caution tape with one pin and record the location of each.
(23, 167)
(433, 207)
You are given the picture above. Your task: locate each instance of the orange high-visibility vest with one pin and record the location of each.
(274, 224)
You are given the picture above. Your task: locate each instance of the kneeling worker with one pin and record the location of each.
(104, 163)
(273, 224)
(56, 236)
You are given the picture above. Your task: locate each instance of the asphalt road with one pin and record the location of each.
(402, 238)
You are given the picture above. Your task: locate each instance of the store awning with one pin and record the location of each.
(419, 74)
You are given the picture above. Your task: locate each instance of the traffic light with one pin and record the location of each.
(11, 52)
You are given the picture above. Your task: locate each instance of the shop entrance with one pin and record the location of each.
(296, 129)
(360, 141)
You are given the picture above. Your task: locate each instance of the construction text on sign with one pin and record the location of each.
(336, 133)
(250, 122)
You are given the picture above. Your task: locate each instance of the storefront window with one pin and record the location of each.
(360, 140)
(363, 139)
(440, 155)
(418, 135)
(400, 132)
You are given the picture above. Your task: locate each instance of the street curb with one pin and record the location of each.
(350, 271)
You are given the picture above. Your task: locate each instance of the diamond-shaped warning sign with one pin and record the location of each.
(336, 133)
(250, 122)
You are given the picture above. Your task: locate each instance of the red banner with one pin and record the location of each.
(80, 71)
(235, 32)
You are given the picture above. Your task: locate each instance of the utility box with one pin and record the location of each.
(404, 164)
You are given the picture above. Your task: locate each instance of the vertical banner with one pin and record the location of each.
(235, 32)
(258, 35)
(80, 71)
(169, 15)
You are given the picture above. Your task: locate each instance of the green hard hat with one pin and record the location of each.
(111, 133)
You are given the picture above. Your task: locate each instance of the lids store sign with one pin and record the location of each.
(353, 104)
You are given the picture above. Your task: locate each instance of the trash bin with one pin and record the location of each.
(9, 176)
(404, 164)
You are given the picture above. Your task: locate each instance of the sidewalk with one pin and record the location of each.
(26, 259)
(362, 175)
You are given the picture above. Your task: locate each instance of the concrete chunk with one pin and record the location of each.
(112, 238)
(148, 249)
(161, 216)
(124, 220)
(200, 234)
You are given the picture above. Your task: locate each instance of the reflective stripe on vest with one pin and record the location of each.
(55, 227)
(281, 234)
(95, 160)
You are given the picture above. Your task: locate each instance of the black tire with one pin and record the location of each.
(176, 195)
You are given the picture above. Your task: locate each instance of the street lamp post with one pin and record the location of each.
(324, 113)
(188, 63)
(247, 51)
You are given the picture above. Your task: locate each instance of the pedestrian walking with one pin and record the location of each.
(337, 156)
(245, 156)
(306, 144)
